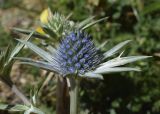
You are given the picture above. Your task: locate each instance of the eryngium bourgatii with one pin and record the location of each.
(77, 54)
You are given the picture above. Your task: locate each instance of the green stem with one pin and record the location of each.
(74, 96)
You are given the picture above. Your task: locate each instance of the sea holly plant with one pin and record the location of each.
(6, 62)
(55, 26)
(75, 56)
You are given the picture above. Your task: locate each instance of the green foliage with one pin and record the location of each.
(136, 20)
(8, 3)
(128, 20)
(5, 37)
(15, 108)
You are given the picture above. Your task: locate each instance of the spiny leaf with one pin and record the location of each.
(122, 61)
(27, 32)
(36, 63)
(49, 32)
(19, 46)
(115, 69)
(93, 75)
(114, 50)
(102, 45)
(85, 22)
(94, 22)
(45, 55)
(13, 107)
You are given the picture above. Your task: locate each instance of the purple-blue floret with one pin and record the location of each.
(78, 54)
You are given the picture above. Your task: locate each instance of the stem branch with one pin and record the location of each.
(74, 96)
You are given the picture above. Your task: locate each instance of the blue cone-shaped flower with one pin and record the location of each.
(77, 54)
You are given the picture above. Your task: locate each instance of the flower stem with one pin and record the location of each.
(74, 83)
(62, 96)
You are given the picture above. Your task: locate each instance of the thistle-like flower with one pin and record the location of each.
(77, 54)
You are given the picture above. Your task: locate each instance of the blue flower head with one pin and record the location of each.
(78, 54)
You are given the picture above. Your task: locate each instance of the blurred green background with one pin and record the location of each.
(119, 93)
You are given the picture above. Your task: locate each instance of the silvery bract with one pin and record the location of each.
(6, 61)
(77, 54)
